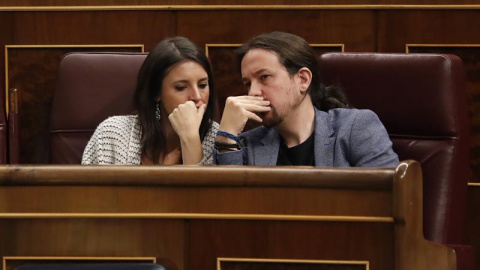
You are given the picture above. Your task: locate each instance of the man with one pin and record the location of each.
(304, 123)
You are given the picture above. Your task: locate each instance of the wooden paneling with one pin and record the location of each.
(163, 239)
(101, 27)
(400, 3)
(83, 199)
(10, 263)
(293, 240)
(398, 28)
(97, 191)
(260, 264)
(473, 221)
(355, 29)
(6, 37)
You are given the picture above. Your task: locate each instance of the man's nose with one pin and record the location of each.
(255, 89)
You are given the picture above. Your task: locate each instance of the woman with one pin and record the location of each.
(175, 101)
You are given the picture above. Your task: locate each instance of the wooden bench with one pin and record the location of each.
(190, 217)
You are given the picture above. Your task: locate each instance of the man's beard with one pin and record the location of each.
(275, 118)
(272, 121)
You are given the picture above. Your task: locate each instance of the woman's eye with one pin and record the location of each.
(203, 86)
(247, 85)
(180, 88)
(264, 77)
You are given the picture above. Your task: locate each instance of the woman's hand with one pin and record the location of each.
(238, 110)
(186, 119)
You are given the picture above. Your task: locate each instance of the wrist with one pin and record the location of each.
(229, 129)
(224, 139)
(227, 135)
(189, 137)
(226, 147)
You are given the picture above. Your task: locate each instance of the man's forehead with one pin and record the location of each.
(258, 60)
(261, 54)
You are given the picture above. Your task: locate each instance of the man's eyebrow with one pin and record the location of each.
(260, 71)
(255, 73)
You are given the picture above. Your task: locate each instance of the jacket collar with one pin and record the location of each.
(266, 152)
(324, 141)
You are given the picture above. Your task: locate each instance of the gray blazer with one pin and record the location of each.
(343, 138)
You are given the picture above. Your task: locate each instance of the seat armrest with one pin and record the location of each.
(465, 256)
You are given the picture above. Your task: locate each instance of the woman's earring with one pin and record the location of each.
(157, 112)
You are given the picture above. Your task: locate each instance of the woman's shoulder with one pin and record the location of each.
(118, 125)
(119, 121)
(111, 141)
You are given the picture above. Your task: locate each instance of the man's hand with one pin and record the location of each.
(238, 110)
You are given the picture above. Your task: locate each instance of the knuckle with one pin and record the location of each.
(229, 100)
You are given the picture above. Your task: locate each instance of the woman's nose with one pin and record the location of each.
(195, 94)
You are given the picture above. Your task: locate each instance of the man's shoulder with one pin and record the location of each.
(340, 121)
(341, 116)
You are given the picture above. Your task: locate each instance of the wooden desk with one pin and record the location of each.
(225, 218)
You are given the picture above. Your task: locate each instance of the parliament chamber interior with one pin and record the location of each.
(69, 65)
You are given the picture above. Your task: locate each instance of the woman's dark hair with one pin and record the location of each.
(295, 53)
(157, 65)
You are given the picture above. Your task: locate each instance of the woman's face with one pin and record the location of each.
(186, 81)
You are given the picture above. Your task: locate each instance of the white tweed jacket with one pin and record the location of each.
(117, 141)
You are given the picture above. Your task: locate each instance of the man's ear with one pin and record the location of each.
(305, 79)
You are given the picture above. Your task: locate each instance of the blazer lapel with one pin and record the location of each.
(324, 141)
(266, 152)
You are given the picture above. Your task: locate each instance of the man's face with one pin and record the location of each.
(263, 75)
